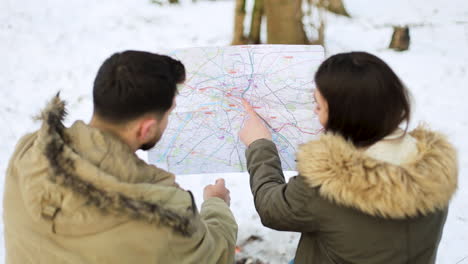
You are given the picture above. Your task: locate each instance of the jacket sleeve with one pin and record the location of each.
(281, 206)
(215, 237)
(221, 225)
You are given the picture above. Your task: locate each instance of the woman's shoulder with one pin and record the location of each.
(349, 176)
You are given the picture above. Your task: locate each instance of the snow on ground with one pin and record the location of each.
(53, 45)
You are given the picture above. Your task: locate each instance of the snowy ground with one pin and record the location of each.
(52, 45)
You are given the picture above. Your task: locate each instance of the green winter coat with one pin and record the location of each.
(357, 206)
(78, 195)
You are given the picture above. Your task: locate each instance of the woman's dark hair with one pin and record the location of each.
(132, 83)
(366, 99)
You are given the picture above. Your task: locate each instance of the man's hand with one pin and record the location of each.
(253, 128)
(217, 190)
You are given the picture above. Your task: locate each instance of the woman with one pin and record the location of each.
(367, 191)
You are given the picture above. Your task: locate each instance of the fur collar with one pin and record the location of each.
(351, 178)
(101, 190)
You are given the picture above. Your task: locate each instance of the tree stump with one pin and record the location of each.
(400, 38)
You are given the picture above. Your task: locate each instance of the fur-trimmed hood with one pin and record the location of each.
(350, 177)
(91, 173)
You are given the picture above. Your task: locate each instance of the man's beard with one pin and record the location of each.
(149, 145)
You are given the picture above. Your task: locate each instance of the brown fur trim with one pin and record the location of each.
(62, 164)
(348, 177)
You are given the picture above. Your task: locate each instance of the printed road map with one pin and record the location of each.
(202, 135)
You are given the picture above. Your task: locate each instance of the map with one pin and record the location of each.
(202, 134)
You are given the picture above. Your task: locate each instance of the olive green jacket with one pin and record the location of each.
(353, 208)
(78, 195)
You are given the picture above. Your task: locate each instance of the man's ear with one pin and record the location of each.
(147, 128)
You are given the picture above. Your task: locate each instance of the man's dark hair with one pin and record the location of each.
(132, 83)
(366, 99)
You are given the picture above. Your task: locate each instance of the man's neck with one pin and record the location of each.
(116, 130)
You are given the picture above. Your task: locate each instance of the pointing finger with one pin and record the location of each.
(247, 106)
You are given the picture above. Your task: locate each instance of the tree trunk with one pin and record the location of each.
(284, 22)
(334, 6)
(239, 17)
(337, 7)
(400, 39)
(256, 24)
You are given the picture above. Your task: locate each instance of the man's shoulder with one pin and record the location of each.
(25, 143)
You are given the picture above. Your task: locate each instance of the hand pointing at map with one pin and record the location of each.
(253, 128)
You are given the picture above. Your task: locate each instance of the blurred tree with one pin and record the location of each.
(256, 24)
(334, 6)
(239, 17)
(284, 22)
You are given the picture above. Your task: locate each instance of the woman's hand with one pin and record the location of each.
(253, 128)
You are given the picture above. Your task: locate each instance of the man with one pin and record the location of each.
(81, 195)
